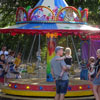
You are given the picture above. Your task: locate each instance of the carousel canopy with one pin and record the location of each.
(52, 3)
(51, 17)
(44, 27)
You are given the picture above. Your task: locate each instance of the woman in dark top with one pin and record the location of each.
(96, 81)
(2, 66)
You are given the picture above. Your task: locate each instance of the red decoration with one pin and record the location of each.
(48, 87)
(59, 34)
(95, 37)
(82, 12)
(1, 80)
(13, 34)
(59, 31)
(41, 9)
(21, 8)
(83, 36)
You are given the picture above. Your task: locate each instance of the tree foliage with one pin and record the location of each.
(93, 7)
(8, 10)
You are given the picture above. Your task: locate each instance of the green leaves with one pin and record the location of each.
(27, 8)
(8, 10)
(92, 5)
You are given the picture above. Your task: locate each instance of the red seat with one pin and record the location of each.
(1, 80)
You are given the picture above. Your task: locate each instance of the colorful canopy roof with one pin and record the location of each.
(51, 16)
(51, 27)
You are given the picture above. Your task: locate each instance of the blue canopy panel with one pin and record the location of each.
(52, 3)
(53, 26)
(60, 28)
(60, 3)
(39, 26)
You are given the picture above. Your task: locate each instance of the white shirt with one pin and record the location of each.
(5, 53)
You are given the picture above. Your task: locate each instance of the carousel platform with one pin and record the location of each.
(35, 87)
(11, 97)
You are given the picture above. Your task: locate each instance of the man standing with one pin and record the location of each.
(56, 68)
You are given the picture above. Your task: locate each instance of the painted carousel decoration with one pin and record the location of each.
(46, 13)
(53, 20)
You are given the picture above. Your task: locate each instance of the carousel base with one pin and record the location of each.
(41, 88)
(11, 97)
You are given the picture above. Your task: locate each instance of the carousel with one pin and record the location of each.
(52, 20)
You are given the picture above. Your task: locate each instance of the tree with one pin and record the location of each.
(8, 10)
(92, 5)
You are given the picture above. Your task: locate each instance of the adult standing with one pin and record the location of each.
(96, 81)
(56, 69)
(4, 51)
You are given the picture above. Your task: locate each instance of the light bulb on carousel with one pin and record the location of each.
(28, 87)
(80, 87)
(9, 85)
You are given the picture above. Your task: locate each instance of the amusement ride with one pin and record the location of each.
(53, 19)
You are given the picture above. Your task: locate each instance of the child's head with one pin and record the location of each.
(91, 60)
(12, 53)
(4, 48)
(19, 55)
(2, 57)
(83, 61)
(68, 51)
(79, 50)
(98, 53)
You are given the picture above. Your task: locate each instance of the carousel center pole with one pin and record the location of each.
(51, 44)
